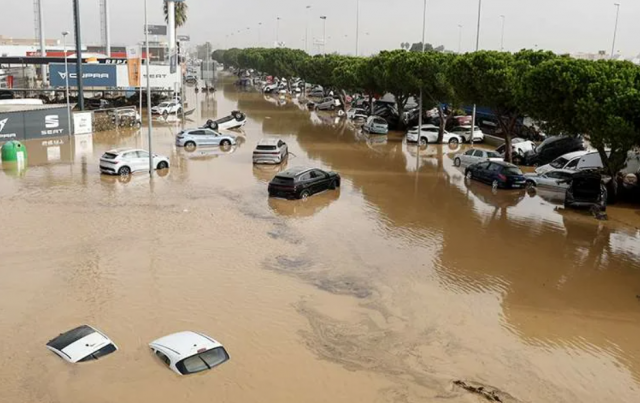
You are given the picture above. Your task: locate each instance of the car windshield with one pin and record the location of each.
(163, 105)
(491, 154)
(203, 361)
(559, 162)
(512, 171)
(106, 350)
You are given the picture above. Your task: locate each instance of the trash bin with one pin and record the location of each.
(14, 151)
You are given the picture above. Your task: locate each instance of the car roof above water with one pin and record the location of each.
(186, 344)
(293, 172)
(268, 142)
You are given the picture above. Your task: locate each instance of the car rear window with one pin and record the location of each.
(512, 171)
(266, 148)
(201, 362)
(281, 180)
(380, 121)
(109, 156)
(491, 154)
(106, 350)
(70, 337)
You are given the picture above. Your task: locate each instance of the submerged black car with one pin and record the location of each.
(550, 149)
(300, 183)
(586, 190)
(498, 174)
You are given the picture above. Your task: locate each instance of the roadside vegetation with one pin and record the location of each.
(597, 99)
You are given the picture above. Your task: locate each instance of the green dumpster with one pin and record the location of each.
(14, 151)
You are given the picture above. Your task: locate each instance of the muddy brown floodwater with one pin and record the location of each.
(395, 288)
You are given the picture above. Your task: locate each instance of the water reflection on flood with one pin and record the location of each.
(406, 278)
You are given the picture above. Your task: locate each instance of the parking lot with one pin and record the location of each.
(406, 278)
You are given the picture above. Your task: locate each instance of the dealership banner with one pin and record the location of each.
(50, 122)
(11, 126)
(83, 122)
(134, 64)
(93, 75)
(160, 77)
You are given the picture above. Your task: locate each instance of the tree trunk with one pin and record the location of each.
(443, 122)
(400, 103)
(370, 103)
(507, 129)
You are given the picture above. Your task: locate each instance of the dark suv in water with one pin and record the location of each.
(300, 183)
(550, 149)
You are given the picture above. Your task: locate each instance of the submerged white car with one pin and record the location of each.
(429, 134)
(167, 108)
(84, 343)
(191, 138)
(189, 352)
(127, 161)
(464, 131)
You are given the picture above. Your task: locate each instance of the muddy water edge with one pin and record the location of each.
(405, 280)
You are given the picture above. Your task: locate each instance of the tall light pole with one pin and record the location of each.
(259, 33)
(473, 114)
(76, 15)
(459, 38)
(324, 33)
(278, 32)
(148, 61)
(615, 30)
(66, 78)
(306, 31)
(502, 35)
(357, 24)
(420, 106)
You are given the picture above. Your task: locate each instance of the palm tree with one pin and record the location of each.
(181, 13)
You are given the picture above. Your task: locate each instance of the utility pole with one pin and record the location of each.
(148, 61)
(76, 15)
(277, 32)
(66, 78)
(459, 38)
(324, 34)
(357, 24)
(473, 114)
(615, 29)
(306, 31)
(420, 106)
(502, 35)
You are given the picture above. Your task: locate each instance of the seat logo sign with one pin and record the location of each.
(52, 124)
(3, 123)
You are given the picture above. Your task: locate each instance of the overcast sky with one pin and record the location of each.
(558, 25)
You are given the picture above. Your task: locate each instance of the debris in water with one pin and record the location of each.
(488, 392)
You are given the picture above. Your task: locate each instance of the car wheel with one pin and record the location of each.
(495, 184)
(333, 185)
(165, 114)
(190, 145)
(332, 107)
(468, 175)
(454, 142)
(124, 171)
(163, 165)
(179, 111)
(457, 162)
(225, 143)
(423, 141)
(531, 185)
(305, 194)
(517, 159)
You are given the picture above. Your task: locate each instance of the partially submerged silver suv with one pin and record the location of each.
(270, 151)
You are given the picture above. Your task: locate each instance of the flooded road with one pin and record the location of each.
(403, 281)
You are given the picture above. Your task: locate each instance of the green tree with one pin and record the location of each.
(230, 58)
(218, 55)
(494, 79)
(435, 84)
(598, 99)
(181, 13)
(283, 62)
(396, 72)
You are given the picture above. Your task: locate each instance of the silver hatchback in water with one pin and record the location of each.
(270, 151)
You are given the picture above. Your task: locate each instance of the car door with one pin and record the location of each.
(479, 155)
(492, 172)
(142, 161)
(211, 137)
(306, 182)
(467, 157)
(429, 134)
(479, 171)
(318, 181)
(282, 146)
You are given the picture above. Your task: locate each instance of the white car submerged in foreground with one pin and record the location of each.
(189, 352)
(84, 343)
(127, 161)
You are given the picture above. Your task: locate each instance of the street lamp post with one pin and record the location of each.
(502, 34)
(615, 29)
(277, 31)
(420, 106)
(76, 15)
(148, 61)
(324, 34)
(459, 38)
(306, 31)
(473, 114)
(259, 33)
(66, 78)
(357, 24)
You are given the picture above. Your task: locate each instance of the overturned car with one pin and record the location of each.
(235, 120)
